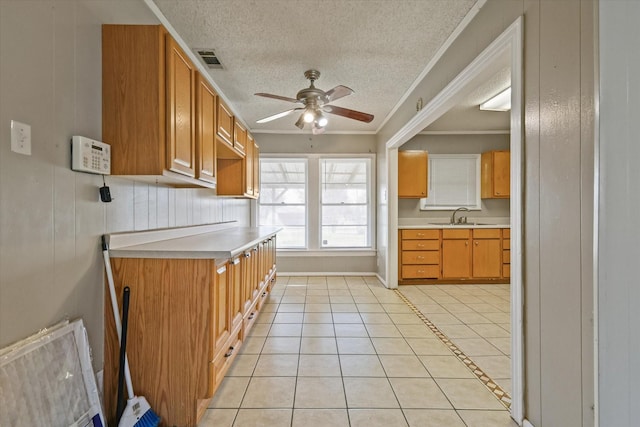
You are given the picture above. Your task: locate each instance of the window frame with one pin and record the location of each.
(314, 204)
(478, 200)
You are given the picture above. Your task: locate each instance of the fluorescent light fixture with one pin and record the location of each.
(500, 102)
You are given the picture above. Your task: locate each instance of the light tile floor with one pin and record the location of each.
(345, 351)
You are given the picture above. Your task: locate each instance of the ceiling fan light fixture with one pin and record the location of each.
(309, 116)
(321, 120)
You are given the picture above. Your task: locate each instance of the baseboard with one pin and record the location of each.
(324, 273)
(384, 282)
(526, 423)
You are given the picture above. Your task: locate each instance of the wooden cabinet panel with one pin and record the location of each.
(420, 257)
(421, 245)
(495, 175)
(249, 159)
(456, 233)
(256, 170)
(456, 258)
(487, 260)
(236, 308)
(180, 75)
(420, 271)
(506, 271)
(412, 174)
(486, 233)
(420, 234)
(224, 129)
(205, 131)
(239, 137)
(220, 302)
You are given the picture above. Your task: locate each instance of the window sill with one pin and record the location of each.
(326, 253)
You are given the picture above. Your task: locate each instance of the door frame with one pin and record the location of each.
(510, 45)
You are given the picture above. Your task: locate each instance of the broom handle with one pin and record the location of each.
(116, 313)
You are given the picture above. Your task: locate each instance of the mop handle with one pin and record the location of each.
(116, 312)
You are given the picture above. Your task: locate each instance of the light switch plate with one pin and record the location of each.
(20, 138)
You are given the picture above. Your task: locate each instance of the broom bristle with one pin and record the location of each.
(149, 419)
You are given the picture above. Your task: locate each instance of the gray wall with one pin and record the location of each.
(618, 205)
(455, 144)
(558, 192)
(324, 144)
(50, 217)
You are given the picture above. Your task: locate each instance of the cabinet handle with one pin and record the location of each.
(420, 257)
(252, 315)
(476, 242)
(264, 294)
(420, 271)
(229, 352)
(247, 254)
(420, 234)
(420, 245)
(466, 243)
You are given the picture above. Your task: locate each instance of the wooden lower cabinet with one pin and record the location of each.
(188, 318)
(454, 255)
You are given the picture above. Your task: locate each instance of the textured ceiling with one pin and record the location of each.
(376, 47)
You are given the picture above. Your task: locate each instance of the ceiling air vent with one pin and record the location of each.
(209, 58)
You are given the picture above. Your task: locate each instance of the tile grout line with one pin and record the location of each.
(493, 387)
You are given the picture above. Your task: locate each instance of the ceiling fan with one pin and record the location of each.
(315, 102)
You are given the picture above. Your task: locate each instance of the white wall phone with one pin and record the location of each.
(88, 155)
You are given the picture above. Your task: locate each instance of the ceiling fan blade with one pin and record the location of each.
(337, 93)
(282, 98)
(277, 116)
(300, 122)
(350, 114)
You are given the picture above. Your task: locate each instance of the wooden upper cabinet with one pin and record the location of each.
(180, 75)
(256, 170)
(225, 129)
(239, 137)
(496, 173)
(149, 105)
(412, 174)
(205, 131)
(248, 158)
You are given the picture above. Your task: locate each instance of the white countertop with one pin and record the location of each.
(194, 243)
(437, 223)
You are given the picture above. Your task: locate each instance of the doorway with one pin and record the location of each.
(507, 46)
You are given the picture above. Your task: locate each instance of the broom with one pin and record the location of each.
(138, 412)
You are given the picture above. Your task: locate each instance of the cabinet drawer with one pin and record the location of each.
(486, 233)
(420, 271)
(220, 365)
(421, 234)
(420, 245)
(506, 270)
(506, 256)
(506, 233)
(421, 257)
(463, 233)
(506, 244)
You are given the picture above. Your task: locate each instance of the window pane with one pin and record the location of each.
(280, 193)
(344, 237)
(344, 215)
(283, 215)
(283, 197)
(344, 193)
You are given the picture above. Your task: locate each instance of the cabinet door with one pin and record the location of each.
(180, 75)
(487, 260)
(205, 132)
(239, 137)
(224, 129)
(501, 173)
(256, 170)
(247, 281)
(456, 257)
(248, 168)
(236, 308)
(412, 174)
(221, 324)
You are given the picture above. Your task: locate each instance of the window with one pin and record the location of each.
(454, 181)
(322, 202)
(283, 199)
(345, 202)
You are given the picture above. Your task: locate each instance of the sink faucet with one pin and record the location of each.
(453, 216)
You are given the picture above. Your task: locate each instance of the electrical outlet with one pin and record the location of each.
(20, 138)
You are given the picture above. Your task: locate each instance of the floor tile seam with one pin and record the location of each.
(497, 391)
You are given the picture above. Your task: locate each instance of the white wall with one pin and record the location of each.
(50, 217)
(618, 207)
